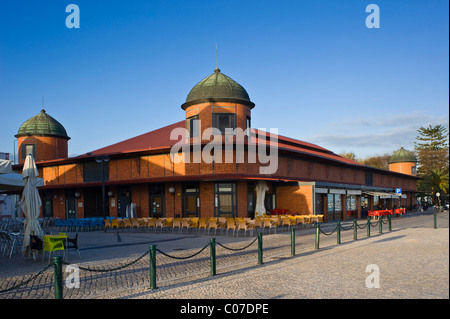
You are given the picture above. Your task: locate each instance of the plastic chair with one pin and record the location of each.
(231, 224)
(51, 246)
(202, 223)
(176, 223)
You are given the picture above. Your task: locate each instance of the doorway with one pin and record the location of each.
(71, 205)
(191, 200)
(123, 200)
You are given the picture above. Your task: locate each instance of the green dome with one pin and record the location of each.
(42, 125)
(217, 87)
(402, 156)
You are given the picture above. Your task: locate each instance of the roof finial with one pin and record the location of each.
(217, 63)
(42, 111)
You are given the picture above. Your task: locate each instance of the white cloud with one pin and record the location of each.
(376, 135)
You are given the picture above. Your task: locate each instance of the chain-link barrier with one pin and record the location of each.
(182, 258)
(237, 249)
(144, 274)
(111, 269)
(24, 282)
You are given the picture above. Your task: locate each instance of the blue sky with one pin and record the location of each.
(313, 68)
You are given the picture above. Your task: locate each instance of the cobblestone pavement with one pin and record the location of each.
(413, 261)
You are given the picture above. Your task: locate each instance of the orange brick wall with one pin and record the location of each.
(47, 147)
(404, 168)
(297, 199)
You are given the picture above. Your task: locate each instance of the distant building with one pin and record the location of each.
(308, 179)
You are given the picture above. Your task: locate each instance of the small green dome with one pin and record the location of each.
(217, 87)
(402, 156)
(42, 125)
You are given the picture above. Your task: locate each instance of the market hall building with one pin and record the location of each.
(143, 175)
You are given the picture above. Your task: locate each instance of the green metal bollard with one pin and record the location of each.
(212, 255)
(338, 231)
(260, 249)
(435, 220)
(368, 227)
(355, 230)
(57, 277)
(293, 241)
(380, 225)
(153, 267)
(317, 235)
(389, 223)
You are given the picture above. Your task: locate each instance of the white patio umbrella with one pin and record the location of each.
(31, 203)
(261, 189)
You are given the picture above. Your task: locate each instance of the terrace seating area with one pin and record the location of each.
(385, 212)
(216, 225)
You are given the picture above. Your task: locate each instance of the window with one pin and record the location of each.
(28, 149)
(223, 121)
(369, 178)
(192, 125)
(334, 204)
(413, 170)
(225, 199)
(92, 171)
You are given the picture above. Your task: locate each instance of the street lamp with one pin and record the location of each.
(103, 159)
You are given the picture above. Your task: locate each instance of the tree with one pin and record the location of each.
(349, 155)
(432, 149)
(433, 154)
(381, 161)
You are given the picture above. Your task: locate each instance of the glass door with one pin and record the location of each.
(191, 200)
(71, 206)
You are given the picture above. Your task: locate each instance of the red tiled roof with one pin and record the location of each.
(160, 138)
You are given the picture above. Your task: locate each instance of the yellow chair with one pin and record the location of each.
(213, 224)
(176, 223)
(186, 223)
(52, 245)
(107, 224)
(202, 223)
(231, 224)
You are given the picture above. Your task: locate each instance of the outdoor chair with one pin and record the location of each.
(213, 224)
(241, 224)
(51, 246)
(176, 223)
(231, 224)
(286, 221)
(107, 224)
(186, 223)
(72, 243)
(268, 223)
(158, 223)
(151, 223)
(135, 224)
(126, 223)
(202, 223)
